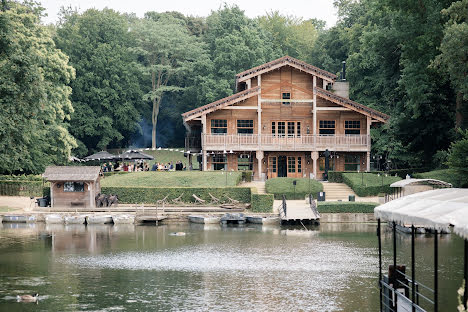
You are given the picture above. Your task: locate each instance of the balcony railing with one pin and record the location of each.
(286, 142)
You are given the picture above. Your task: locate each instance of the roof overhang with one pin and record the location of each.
(406, 182)
(72, 173)
(283, 61)
(378, 116)
(224, 102)
(436, 209)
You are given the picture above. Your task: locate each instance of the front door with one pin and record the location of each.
(282, 166)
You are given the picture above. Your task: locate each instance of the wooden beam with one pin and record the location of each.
(333, 109)
(287, 100)
(240, 107)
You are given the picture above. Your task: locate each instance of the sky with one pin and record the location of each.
(320, 9)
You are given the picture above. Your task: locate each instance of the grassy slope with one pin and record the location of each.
(173, 178)
(370, 179)
(163, 156)
(285, 186)
(446, 175)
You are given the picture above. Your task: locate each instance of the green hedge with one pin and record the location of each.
(21, 188)
(365, 183)
(20, 177)
(284, 186)
(150, 195)
(346, 207)
(262, 202)
(447, 175)
(247, 176)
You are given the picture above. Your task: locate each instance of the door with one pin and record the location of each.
(282, 166)
(272, 167)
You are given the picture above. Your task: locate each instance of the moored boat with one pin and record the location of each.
(123, 219)
(19, 219)
(75, 219)
(203, 219)
(262, 219)
(99, 219)
(53, 219)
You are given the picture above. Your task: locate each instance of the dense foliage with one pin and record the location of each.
(262, 202)
(405, 58)
(346, 207)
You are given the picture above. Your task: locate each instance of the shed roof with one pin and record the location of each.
(405, 182)
(72, 173)
(437, 209)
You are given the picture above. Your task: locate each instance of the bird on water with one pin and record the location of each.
(28, 298)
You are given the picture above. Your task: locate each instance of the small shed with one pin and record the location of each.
(73, 186)
(411, 186)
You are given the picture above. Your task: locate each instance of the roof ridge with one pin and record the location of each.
(291, 60)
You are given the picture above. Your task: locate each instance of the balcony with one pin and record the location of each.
(268, 142)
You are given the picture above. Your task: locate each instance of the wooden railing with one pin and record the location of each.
(291, 142)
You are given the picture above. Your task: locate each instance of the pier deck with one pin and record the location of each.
(298, 210)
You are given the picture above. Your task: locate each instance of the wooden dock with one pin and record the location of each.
(297, 211)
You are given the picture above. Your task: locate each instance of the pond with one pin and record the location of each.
(332, 267)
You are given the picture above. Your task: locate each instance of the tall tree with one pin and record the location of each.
(106, 92)
(34, 95)
(167, 51)
(453, 57)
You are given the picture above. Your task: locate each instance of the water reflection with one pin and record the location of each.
(332, 267)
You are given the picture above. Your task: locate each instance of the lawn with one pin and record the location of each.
(280, 186)
(370, 179)
(446, 175)
(171, 154)
(173, 179)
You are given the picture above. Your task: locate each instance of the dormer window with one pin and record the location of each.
(286, 96)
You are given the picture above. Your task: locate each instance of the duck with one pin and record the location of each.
(28, 298)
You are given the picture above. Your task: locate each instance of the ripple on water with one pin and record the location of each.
(313, 274)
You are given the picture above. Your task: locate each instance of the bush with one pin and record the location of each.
(369, 184)
(284, 186)
(247, 176)
(447, 175)
(20, 177)
(150, 195)
(21, 188)
(262, 202)
(346, 207)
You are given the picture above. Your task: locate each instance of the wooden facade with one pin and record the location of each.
(281, 121)
(73, 186)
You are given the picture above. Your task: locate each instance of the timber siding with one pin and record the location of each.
(286, 100)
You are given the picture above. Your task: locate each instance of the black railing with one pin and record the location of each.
(313, 206)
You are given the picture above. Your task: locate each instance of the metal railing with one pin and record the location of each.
(283, 208)
(313, 206)
(285, 142)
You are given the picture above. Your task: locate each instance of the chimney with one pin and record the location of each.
(341, 88)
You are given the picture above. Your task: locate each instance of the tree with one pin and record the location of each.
(458, 157)
(167, 51)
(106, 92)
(453, 57)
(34, 94)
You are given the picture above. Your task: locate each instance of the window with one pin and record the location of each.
(281, 128)
(218, 162)
(244, 162)
(218, 126)
(298, 129)
(352, 162)
(327, 127)
(352, 127)
(273, 164)
(291, 129)
(286, 96)
(73, 187)
(331, 164)
(245, 126)
(292, 164)
(299, 164)
(273, 128)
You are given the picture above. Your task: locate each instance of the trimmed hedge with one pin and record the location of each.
(262, 202)
(21, 188)
(346, 207)
(372, 185)
(150, 195)
(284, 186)
(447, 175)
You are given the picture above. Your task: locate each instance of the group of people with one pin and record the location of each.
(142, 166)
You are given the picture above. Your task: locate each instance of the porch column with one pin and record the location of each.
(190, 161)
(90, 186)
(314, 156)
(259, 112)
(314, 126)
(52, 186)
(369, 121)
(204, 160)
(259, 156)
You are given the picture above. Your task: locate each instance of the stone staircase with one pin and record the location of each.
(337, 191)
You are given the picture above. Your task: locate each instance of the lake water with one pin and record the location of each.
(333, 267)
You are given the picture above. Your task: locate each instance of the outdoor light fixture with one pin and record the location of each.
(308, 129)
(224, 152)
(231, 152)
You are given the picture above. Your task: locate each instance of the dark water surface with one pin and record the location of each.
(254, 268)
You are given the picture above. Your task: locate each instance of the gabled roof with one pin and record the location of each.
(235, 98)
(72, 173)
(283, 61)
(351, 104)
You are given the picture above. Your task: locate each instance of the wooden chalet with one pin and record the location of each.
(73, 186)
(284, 116)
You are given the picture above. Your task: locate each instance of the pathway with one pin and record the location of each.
(259, 185)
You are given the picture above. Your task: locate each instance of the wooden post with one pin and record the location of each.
(369, 121)
(204, 160)
(259, 113)
(314, 111)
